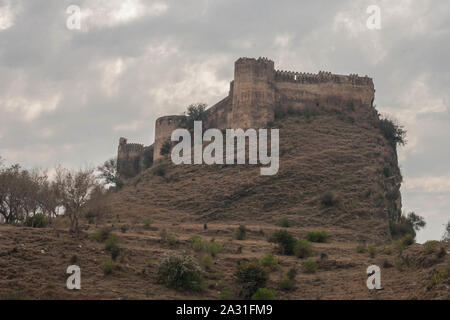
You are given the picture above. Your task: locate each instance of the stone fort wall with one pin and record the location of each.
(257, 92)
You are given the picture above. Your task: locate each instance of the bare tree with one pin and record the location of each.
(446, 236)
(108, 173)
(73, 190)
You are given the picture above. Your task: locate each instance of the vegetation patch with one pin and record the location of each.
(264, 294)
(241, 233)
(317, 236)
(180, 272)
(303, 249)
(329, 199)
(309, 266)
(251, 276)
(269, 262)
(285, 240)
(36, 221)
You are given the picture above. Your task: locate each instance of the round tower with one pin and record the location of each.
(163, 131)
(253, 93)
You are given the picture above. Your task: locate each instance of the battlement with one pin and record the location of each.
(321, 77)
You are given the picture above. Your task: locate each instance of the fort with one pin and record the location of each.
(256, 95)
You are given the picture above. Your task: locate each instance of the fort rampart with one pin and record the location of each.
(256, 94)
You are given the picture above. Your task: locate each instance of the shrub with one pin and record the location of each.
(147, 223)
(165, 148)
(285, 223)
(102, 234)
(112, 245)
(195, 112)
(387, 264)
(180, 272)
(264, 294)
(286, 284)
(160, 169)
(207, 261)
(329, 199)
(225, 294)
(270, 124)
(251, 276)
(309, 266)
(431, 246)
(372, 251)
(74, 259)
(292, 273)
(197, 243)
(408, 240)
(440, 276)
(241, 233)
(285, 241)
(361, 248)
(394, 133)
(269, 261)
(36, 221)
(108, 266)
(317, 236)
(213, 248)
(406, 225)
(303, 249)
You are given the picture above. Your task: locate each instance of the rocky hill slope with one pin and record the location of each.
(338, 174)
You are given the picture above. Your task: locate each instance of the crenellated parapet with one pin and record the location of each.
(321, 77)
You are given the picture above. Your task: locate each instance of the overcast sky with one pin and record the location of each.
(66, 96)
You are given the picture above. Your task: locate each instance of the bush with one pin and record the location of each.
(102, 234)
(108, 266)
(207, 261)
(112, 245)
(36, 221)
(195, 112)
(74, 259)
(286, 284)
(264, 294)
(329, 199)
(285, 223)
(269, 261)
(309, 266)
(225, 294)
(165, 148)
(241, 233)
(394, 133)
(317, 236)
(361, 248)
(431, 246)
(180, 272)
(251, 276)
(147, 223)
(213, 248)
(408, 240)
(197, 243)
(406, 225)
(303, 249)
(285, 240)
(160, 169)
(372, 251)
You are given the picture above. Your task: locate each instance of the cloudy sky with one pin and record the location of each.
(67, 95)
